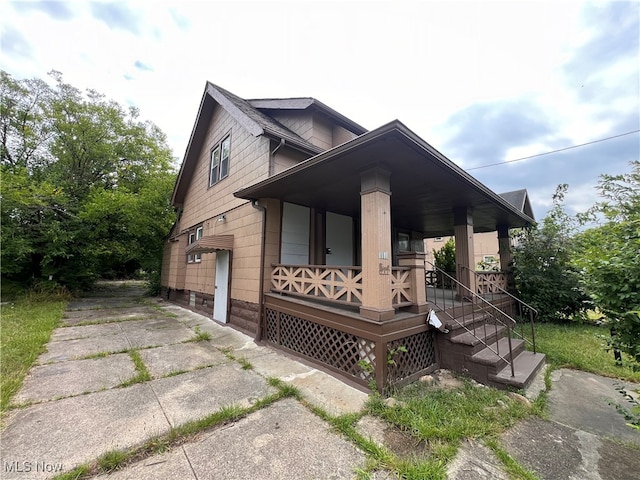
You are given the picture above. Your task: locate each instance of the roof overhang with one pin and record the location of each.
(210, 243)
(425, 186)
(304, 103)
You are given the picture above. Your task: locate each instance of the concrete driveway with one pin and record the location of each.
(81, 399)
(86, 396)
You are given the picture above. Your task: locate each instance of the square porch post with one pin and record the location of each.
(375, 204)
(415, 261)
(504, 247)
(465, 254)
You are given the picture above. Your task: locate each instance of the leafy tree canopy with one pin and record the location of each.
(608, 257)
(543, 273)
(86, 184)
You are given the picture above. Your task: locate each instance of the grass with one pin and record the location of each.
(511, 466)
(142, 373)
(440, 419)
(581, 346)
(26, 328)
(200, 336)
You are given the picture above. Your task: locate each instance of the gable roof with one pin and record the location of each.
(304, 103)
(252, 119)
(426, 186)
(520, 200)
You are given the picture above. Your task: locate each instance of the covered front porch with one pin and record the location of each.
(371, 313)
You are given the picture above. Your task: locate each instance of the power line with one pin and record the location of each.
(554, 151)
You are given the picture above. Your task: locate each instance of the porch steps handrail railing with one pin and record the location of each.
(486, 308)
(523, 310)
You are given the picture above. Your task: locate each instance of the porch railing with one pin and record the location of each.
(474, 314)
(335, 284)
(490, 282)
(515, 307)
(401, 289)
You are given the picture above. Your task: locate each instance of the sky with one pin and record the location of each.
(482, 82)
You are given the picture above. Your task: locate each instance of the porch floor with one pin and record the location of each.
(434, 293)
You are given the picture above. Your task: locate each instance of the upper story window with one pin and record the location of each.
(193, 237)
(220, 161)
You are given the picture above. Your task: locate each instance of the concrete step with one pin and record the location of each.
(487, 356)
(526, 365)
(468, 321)
(473, 342)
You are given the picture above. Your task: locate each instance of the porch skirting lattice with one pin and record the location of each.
(362, 360)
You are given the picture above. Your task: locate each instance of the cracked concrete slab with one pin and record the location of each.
(59, 351)
(85, 331)
(143, 338)
(181, 357)
(329, 393)
(173, 465)
(152, 324)
(75, 430)
(597, 397)
(193, 395)
(63, 379)
(104, 316)
(557, 451)
(99, 303)
(284, 440)
(475, 461)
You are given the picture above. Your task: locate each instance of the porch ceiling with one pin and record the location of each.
(425, 185)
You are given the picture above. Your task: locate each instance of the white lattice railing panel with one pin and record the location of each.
(401, 286)
(339, 284)
(490, 282)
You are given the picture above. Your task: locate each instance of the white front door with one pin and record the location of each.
(221, 296)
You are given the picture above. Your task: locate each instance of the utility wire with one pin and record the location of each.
(554, 151)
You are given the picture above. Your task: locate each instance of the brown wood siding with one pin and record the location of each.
(341, 135)
(286, 158)
(322, 133)
(298, 122)
(248, 163)
(173, 263)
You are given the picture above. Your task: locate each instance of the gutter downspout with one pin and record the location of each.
(255, 205)
(272, 157)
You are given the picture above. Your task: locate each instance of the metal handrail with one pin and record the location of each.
(489, 309)
(522, 306)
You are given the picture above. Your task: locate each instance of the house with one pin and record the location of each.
(486, 245)
(300, 227)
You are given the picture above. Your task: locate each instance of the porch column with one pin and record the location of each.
(415, 261)
(465, 255)
(375, 206)
(504, 247)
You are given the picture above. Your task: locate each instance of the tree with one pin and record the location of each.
(543, 273)
(445, 258)
(86, 185)
(608, 257)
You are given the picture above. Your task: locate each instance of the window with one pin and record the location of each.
(220, 161)
(404, 242)
(193, 237)
(191, 257)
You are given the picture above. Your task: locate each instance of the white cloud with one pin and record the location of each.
(421, 62)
